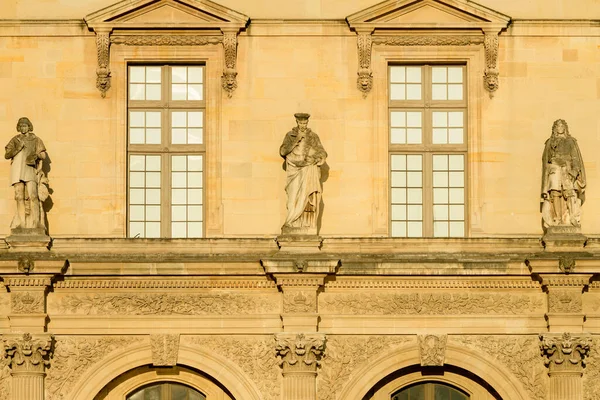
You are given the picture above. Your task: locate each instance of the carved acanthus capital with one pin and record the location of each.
(565, 353)
(490, 75)
(365, 74)
(300, 352)
(432, 349)
(165, 348)
(29, 353)
(229, 77)
(103, 68)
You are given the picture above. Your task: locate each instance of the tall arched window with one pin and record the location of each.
(166, 391)
(429, 391)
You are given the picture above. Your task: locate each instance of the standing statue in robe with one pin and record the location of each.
(563, 179)
(27, 151)
(304, 156)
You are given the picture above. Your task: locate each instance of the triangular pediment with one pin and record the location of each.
(427, 13)
(166, 14)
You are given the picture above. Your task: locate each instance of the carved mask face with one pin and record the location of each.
(492, 82)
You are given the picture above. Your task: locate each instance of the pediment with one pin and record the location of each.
(166, 14)
(402, 14)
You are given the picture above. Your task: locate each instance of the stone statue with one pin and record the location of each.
(304, 155)
(27, 151)
(563, 179)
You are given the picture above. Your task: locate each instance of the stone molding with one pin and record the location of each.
(432, 349)
(165, 40)
(27, 281)
(300, 352)
(433, 284)
(164, 284)
(299, 280)
(165, 348)
(428, 40)
(28, 353)
(565, 353)
(553, 281)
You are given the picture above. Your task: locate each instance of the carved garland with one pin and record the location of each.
(489, 41)
(104, 40)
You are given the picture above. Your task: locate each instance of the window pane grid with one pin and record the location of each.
(447, 83)
(448, 195)
(186, 196)
(145, 83)
(145, 127)
(406, 83)
(144, 195)
(406, 127)
(187, 127)
(407, 195)
(186, 83)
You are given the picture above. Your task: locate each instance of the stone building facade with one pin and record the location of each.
(165, 275)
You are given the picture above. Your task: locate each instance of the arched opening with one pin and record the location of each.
(430, 391)
(166, 391)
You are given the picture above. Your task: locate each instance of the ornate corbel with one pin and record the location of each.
(229, 77)
(27, 353)
(103, 68)
(490, 75)
(364, 81)
(432, 349)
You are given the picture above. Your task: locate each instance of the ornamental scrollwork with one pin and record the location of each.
(103, 70)
(165, 40)
(299, 352)
(229, 77)
(564, 353)
(591, 389)
(490, 74)
(365, 74)
(29, 353)
(428, 40)
(165, 348)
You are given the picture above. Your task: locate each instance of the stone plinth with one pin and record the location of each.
(299, 243)
(563, 238)
(28, 239)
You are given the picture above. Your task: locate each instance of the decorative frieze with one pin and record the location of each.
(432, 284)
(300, 301)
(432, 349)
(29, 353)
(164, 284)
(165, 348)
(392, 303)
(165, 304)
(565, 353)
(565, 301)
(299, 352)
(27, 302)
(428, 40)
(166, 40)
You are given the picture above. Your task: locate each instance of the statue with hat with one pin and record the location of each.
(304, 155)
(26, 152)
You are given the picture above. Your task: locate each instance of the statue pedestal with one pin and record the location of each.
(299, 243)
(563, 238)
(28, 238)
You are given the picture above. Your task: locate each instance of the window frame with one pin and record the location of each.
(428, 389)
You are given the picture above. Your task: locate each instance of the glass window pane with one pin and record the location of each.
(415, 213)
(152, 213)
(136, 136)
(455, 119)
(457, 196)
(153, 74)
(152, 163)
(178, 119)
(440, 179)
(415, 229)
(153, 119)
(398, 229)
(398, 195)
(195, 75)
(178, 213)
(455, 92)
(194, 119)
(178, 136)
(440, 119)
(194, 229)
(455, 135)
(413, 74)
(440, 196)
(398, 136)
(440, 162)
(137, 91)
(195, 213)
(413, 162)
(438, 92)
(399, 212)
(415, 196)
(152, 93)
(194, 179)
(137, 74)
(179, 74)
(136, 179)
(178, 163)
(194, 136)
(456, 162)
(179, 392)
(398, 118)
(438, 75)
(439, 136)
(455, 74)
(413, 92)
(136, 213)
(398, 91)
(440, 229)
(178, 229)
(413, 119)
(457, 229)
(194, 196)
(414, 179)
(457, 212)
(153, 136)
(137, 163)
(440, 212)
(441, 392)
(136, 196)
(194, 163)
(136, 229)
(152, 196)
(178, 179)
(153, 179)
(194, 91)
(137, 119)
(398, 74)
(456, 179)
(399, 179)
(152, 229)
(413, 136)
(178, 91)
(399, 162)
(178, 196)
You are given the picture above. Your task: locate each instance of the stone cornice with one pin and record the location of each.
(164, 284)
(433, 283)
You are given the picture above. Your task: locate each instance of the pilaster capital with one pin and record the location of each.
(300, 352)
(565, 353)
(28, 353)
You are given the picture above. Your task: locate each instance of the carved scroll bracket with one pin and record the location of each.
(300, 353)
(365, 74)
(432, 349)
(229, 77)
(491, 72)
(565, 353)
(103, 68)
(29, 353)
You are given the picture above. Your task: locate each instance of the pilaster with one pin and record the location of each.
(565, 302)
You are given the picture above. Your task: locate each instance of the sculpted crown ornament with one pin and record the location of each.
(564, 353)
(300, 352)
(28, 353)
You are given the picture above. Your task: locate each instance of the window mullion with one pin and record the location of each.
(427, 195)
(165, 198)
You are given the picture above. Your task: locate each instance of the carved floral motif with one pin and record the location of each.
(490, 74)
(73, 356)
(564, 353)
(365, 74)
(5, 385)
(229, 77)
(346, 354)
(27, 302)
(432, 349)
(428, 303)
(29, 353)
(103, 69)
(428, 40)
(166, 40)
(564, 301)
(591, 377)
(166, 304)
(254, 354)
(299, 301)
(165, 348)
(299, 352)
(520, 354)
